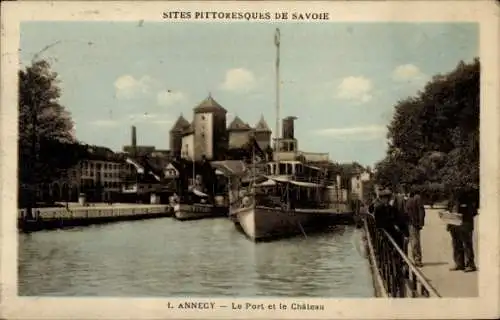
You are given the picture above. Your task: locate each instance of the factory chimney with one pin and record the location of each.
(134, 141)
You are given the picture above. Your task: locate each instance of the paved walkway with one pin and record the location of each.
(437, 257)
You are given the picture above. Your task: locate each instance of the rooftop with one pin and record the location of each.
(209, 105)
(180, 124)
(188, 129)
(262, 125)
(238, 124)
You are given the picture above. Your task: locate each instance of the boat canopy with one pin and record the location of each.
(267, 183)
(313, 167)
(305, 184)
(199, 193)
(295, 182)
(280, 179)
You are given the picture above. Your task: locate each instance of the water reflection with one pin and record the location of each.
(166, 257)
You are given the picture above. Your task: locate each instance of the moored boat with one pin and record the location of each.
(264, 223)
(195, 206)
(285, 196)
(183, 211)
(280, 207)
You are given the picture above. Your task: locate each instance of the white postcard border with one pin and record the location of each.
(482, 12)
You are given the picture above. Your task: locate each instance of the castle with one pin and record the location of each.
(209, 136)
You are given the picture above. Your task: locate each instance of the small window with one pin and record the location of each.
(202, 117)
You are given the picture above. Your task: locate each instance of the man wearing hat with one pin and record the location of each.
(387, 218)
(385, 214)
(463, 250)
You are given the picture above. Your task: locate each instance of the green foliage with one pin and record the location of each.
(46, 144)
(434, 136)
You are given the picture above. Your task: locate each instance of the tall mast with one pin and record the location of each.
(278, 105)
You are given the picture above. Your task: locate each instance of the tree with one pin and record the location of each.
(434, 136)
(47, 146)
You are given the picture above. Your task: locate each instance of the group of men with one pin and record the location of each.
(403, 217)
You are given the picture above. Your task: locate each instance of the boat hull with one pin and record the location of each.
(196, 211)
(263, 223)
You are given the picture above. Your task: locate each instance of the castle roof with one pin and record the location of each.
(209, 105)
(188, 129)
(238, 125)
(262, 125)
(180, 124)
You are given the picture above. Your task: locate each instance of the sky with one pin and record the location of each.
(341, 80)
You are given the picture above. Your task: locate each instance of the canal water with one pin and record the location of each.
(165, 257)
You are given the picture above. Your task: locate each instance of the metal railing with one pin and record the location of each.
(399, 277)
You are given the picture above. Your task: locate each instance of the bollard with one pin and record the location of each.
(82, 199)
(153, 198)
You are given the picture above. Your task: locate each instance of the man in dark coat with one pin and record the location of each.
(402, 219)
(461, 235)
(416, 220)
(388, 218)
(400, 204)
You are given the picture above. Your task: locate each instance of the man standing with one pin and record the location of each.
(402, 216)
(387, 218)
(463, 250)
(416, 218)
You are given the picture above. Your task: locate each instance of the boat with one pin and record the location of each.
(190, 209)
(195, 204)
(283, 197)
(276, 206)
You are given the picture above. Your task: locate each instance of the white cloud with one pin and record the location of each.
(138, 118)
(127, 87)
(163, 121)
(369, 132)
(151, 118)
(407, 73)
(168, 97)
(357, 89)
(141, 117)
(104, 123)
(239, 80)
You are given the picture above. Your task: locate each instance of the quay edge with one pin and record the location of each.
(54, 218)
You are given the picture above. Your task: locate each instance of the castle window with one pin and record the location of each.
(202, 117)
